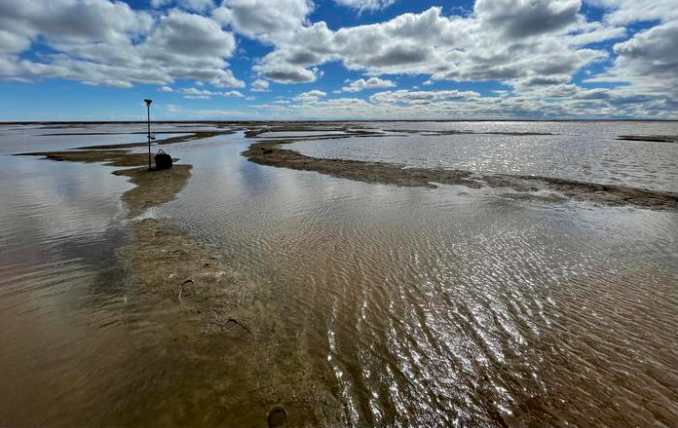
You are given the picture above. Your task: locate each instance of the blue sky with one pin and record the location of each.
(338, 59)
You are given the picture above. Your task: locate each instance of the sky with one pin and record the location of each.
(338, 59)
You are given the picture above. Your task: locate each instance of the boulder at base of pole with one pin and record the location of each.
(163, 160)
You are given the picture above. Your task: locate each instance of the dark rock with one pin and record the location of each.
(277, 417)
(163, 160)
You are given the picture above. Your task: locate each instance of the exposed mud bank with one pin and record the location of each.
(117, 154)
(152, 187)
(434, 133)
(143, 133)
(271, 153)
(650, 138)
(348, 129)
(171, 140)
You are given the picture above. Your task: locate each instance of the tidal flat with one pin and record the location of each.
(327, 274)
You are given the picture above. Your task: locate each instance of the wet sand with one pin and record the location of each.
(270, 153)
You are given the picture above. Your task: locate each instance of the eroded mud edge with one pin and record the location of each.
(271, 153)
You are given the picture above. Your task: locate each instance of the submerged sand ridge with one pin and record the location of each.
(232, 330)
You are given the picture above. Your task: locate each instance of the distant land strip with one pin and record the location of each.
(650, 138)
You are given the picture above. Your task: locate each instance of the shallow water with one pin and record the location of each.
(58, 231)
(450, 306)
(426, 307)
(583, 151)
(36, 138)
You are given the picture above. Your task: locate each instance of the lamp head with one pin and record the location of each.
(148, 102)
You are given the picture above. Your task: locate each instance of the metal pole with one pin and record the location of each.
(148, 117)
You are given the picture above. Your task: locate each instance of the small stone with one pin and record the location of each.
(277, 417)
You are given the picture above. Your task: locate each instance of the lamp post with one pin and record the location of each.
(148, 116)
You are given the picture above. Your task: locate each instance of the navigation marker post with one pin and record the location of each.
(148, 118)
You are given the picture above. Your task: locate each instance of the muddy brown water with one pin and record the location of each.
(411, 307)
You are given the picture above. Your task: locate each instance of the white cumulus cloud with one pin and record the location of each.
(366, 4)
(260, 85)
(371, 83)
